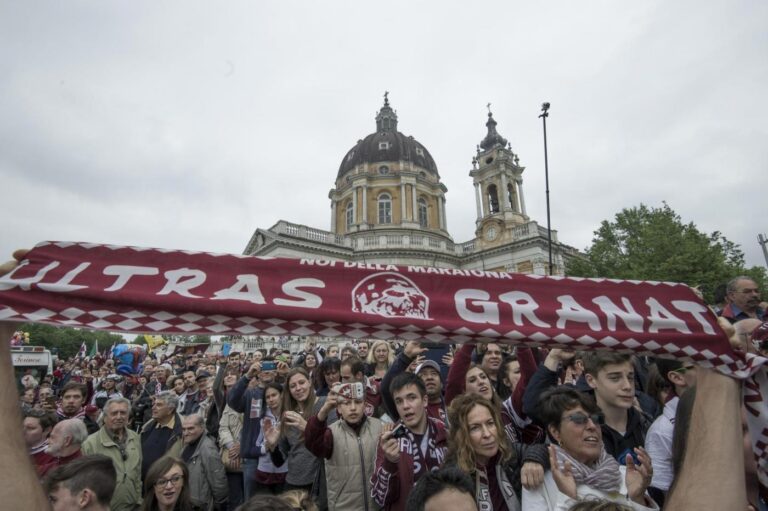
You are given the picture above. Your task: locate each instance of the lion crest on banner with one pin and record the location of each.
(390, 295)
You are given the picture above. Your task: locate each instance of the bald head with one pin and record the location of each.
(66, 437)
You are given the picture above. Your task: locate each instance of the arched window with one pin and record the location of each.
(493, 199)
(350, 214)
(512, 195)
(422, 212)
(385, 208)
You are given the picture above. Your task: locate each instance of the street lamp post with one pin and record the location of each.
(544, 114)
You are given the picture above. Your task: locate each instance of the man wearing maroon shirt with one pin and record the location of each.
(63, 444)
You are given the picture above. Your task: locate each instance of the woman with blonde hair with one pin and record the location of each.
(380, 358)
(478, 446)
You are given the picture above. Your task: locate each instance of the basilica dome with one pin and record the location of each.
(388, 145)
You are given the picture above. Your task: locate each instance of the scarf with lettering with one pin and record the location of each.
(154, 291)
(483, 488)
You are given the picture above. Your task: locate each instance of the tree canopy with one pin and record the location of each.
(68, 340)
(643, 243)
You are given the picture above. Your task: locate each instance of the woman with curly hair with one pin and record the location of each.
(325, 376)
(478, 445)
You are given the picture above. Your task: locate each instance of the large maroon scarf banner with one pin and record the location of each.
(135, 289)
(144, 290)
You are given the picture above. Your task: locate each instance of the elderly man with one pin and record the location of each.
(744, 300)
(207, 476)
(161, 435)
(64, 444)
(123, 447)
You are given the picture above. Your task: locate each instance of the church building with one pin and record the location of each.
(388, 206)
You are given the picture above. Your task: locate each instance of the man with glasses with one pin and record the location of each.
(123, 447)
(744, 300)
(680, 376)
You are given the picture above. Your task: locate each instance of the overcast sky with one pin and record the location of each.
(185, 124)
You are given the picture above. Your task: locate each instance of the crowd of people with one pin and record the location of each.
(386, 425)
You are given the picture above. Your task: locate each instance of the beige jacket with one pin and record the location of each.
(127, 494)
(348, 471)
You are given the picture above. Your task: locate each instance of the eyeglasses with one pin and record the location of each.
(162, 483)
(581, 419)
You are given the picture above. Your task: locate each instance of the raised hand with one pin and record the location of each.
(638, 477)
(563, 476)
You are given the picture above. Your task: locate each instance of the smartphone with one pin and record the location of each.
(269, 366)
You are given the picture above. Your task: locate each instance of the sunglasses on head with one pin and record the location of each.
(581, 419)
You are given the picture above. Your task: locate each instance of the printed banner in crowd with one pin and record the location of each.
(157, 291)
(154, 291)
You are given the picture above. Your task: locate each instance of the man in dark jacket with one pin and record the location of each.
(161, 435)
(247, 399)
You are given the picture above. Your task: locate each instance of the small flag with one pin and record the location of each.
(81, 352)
(153, 341)
(94, 349)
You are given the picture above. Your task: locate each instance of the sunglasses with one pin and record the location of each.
(581, 419)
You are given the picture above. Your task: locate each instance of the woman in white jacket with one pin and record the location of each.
(581, 469)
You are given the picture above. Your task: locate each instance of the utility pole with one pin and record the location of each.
(761, 239)
(544, 114)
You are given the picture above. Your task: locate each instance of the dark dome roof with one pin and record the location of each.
(399, 147)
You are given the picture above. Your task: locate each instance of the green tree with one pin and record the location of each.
(643, 243)
(68, 340)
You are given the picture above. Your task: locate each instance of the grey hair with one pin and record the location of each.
(168, 397)
(76, 429)
(731, 287)
(116, 401)
(199, 419)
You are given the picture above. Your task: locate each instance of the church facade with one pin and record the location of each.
(388, 206)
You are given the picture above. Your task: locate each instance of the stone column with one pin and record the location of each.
(334, 207)
(521, 196)
(477, 201)
(414, 212)
(505, 204)
(402, 202)
(365, 204)
(444, 226)
(354, 205)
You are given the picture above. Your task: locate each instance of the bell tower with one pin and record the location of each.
(498, 179)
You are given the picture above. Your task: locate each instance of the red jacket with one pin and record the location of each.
(392, 482)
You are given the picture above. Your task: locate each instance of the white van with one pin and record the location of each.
(34, 360)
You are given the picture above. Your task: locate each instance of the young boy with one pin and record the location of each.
(348, 446)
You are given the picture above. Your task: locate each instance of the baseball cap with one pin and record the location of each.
(428, 363)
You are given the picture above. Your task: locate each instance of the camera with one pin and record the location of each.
(269, 366)
(400, 431)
